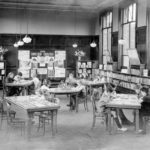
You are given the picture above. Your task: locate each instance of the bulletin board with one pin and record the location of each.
(49, 64)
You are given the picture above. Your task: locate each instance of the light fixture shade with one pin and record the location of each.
(20, 43)
(27, 39)
(16, 44)
(121, 42)
(75, 45)
(93, 44)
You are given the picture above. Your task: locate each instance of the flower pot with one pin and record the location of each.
(79, 58)
(1, 57)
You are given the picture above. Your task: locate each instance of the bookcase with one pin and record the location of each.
(2, 73)
(127, 81)
(86, 68)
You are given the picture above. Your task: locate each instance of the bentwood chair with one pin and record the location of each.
(12, 121)
(4, 114)
(44, 118)
(97, 115)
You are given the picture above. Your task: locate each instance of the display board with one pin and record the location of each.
(49, 64)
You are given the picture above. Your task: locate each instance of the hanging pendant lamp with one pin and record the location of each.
(93, 44)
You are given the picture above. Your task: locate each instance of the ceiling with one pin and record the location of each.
(60, 5)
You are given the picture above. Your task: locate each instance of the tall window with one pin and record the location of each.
(128, 28)
(106, 36)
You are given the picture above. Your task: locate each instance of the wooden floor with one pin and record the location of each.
(74, 133)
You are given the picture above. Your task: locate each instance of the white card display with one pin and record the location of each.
(23, 55)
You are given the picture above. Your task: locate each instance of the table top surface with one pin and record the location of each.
(65, 90)
(92, 83)
(32, 102)
(20, 83)
(124, 101)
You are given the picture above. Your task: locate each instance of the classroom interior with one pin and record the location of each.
(87, 40)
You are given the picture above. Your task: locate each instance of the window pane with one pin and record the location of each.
(109, 41)
(134, 12)
(126, 38)
(110, 19)
(104, 40)
(125, 15)
(104, 21)
(132, 35)
(130, 12)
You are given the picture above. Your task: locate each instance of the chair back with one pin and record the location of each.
(96, 95)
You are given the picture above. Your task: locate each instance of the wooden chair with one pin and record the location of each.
(44, 117)
(4, 114)
(11, 119)
(96, 114)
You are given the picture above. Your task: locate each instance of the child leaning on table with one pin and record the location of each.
(104, 99)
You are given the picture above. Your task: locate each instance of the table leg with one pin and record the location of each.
(29, 125)
(25, 91)
(55, 118)
(109, 120)
(86, 98)
(52, 122)
(90, 91)
(77, 103)
(137, 120)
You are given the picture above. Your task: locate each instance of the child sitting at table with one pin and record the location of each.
(81, 95)
(104, 99)
(18, 77)
(11, 90)
(35, 86)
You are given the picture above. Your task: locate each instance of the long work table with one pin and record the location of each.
(67, 91)
(124, 101)
(24, 84)
(26, 106)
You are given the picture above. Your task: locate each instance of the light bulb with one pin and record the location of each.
(75, 45)
(93, 44)
(20, 43)
(15, 44)
(27, 39)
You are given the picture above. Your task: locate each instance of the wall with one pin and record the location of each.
(46, 22)
(141, 13)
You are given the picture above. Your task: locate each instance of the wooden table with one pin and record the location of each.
(124, 101)
(23, 83)
(67, 91)
(26, 106)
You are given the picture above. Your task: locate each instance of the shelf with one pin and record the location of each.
(127, 80)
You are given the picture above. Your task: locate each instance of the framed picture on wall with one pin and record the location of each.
(1, 65)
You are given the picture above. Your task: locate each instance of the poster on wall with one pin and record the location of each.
(24, 64)
(60, 55)
(42, 71)
(60, 72)
(23, 55)
(51, 73)
(25, 72)
(33, 72)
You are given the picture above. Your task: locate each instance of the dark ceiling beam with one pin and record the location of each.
(45, 6)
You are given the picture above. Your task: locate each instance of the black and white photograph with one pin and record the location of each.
(74, 74)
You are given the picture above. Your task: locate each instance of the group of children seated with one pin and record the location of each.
(102, 95)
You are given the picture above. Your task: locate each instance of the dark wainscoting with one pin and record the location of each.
(49, 43)
(141, 44)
